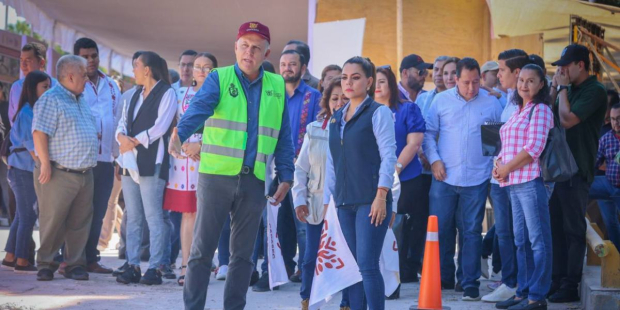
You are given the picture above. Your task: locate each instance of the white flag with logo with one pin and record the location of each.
(388, 263)
(336, 268)
(277, 271)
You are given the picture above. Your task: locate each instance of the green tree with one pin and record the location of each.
(23, 28)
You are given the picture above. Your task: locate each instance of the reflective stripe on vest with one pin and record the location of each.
(225, 133)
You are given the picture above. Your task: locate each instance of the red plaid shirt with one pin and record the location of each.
(522, 133)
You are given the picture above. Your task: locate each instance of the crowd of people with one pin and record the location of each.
(196, 158)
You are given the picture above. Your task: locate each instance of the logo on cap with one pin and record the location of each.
(253, 25)
(233, 91)
(564, 51)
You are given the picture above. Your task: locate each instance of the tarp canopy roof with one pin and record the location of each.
(166, 27)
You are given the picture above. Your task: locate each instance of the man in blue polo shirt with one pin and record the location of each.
(303, 106)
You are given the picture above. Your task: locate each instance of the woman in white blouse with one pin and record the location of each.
(308, 186)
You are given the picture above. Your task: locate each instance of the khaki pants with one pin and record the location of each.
(113, 217)
(65, 215)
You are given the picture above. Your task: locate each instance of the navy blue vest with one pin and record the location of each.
(144, 120)
(356, 157)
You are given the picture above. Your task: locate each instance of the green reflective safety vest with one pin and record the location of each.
(225, 134)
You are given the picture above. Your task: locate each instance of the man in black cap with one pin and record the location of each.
(580, 107)
(413, 72)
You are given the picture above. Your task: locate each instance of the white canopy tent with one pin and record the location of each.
(122, 27)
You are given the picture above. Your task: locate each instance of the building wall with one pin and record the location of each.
(430, 28)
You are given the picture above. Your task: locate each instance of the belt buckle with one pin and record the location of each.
(245, 170)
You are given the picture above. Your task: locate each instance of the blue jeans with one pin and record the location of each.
(532, 229)
(22, 184)
(608, 198)
(449, 203)
(223, 245)
(143, 202)
(365, 241)
(313, 237)
(504, 232)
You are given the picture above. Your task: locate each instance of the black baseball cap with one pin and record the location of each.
(414, 60)
(573, 53)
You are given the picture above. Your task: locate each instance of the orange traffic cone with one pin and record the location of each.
(430, 284)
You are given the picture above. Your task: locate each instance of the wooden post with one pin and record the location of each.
(610, 267)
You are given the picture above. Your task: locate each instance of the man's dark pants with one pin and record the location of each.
(568, 231)
(103, 175)
(242, 197)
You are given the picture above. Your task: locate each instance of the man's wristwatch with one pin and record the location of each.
(399, 166)
(561, 88)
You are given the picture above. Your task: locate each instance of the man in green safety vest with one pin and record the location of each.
(246, 121)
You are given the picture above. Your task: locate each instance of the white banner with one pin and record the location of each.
(336, 268)
(388, 263)
(277, 270)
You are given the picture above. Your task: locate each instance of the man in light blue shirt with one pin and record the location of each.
(452, 144)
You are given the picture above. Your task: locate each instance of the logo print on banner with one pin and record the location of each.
(233, 91)
(273, 251)
(326, 257)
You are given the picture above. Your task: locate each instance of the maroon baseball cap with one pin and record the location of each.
(254, 27)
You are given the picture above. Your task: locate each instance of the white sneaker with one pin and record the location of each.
(223, 270)
(500, 294)
(484, 267)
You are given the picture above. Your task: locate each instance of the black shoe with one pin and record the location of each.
(447, 286)
(151, 277)
(120, 269)
(471, 294)
(263, 284)
(131, 274)
(458, 288)
(167, 272)
(564, 295)
(509, 303)
(395, 295)
(254, 278)
(296, 277)
(8, 265)
(554, 288)
(526, 305)
(45, 275)
(28, 269)
(77, 273)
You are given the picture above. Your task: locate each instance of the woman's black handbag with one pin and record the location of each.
(557, 163)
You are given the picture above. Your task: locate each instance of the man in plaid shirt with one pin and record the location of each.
(606, 189)
(66, 144)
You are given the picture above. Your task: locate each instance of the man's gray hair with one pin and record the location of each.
(442, 58)
(66, 64)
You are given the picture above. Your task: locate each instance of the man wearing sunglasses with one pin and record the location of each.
(413, 72)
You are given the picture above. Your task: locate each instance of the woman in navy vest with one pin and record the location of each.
(360, 175)
(144, 130)
(409, 130)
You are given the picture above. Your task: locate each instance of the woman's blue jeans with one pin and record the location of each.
(20, 234)
(532, 229)
(365, 240)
